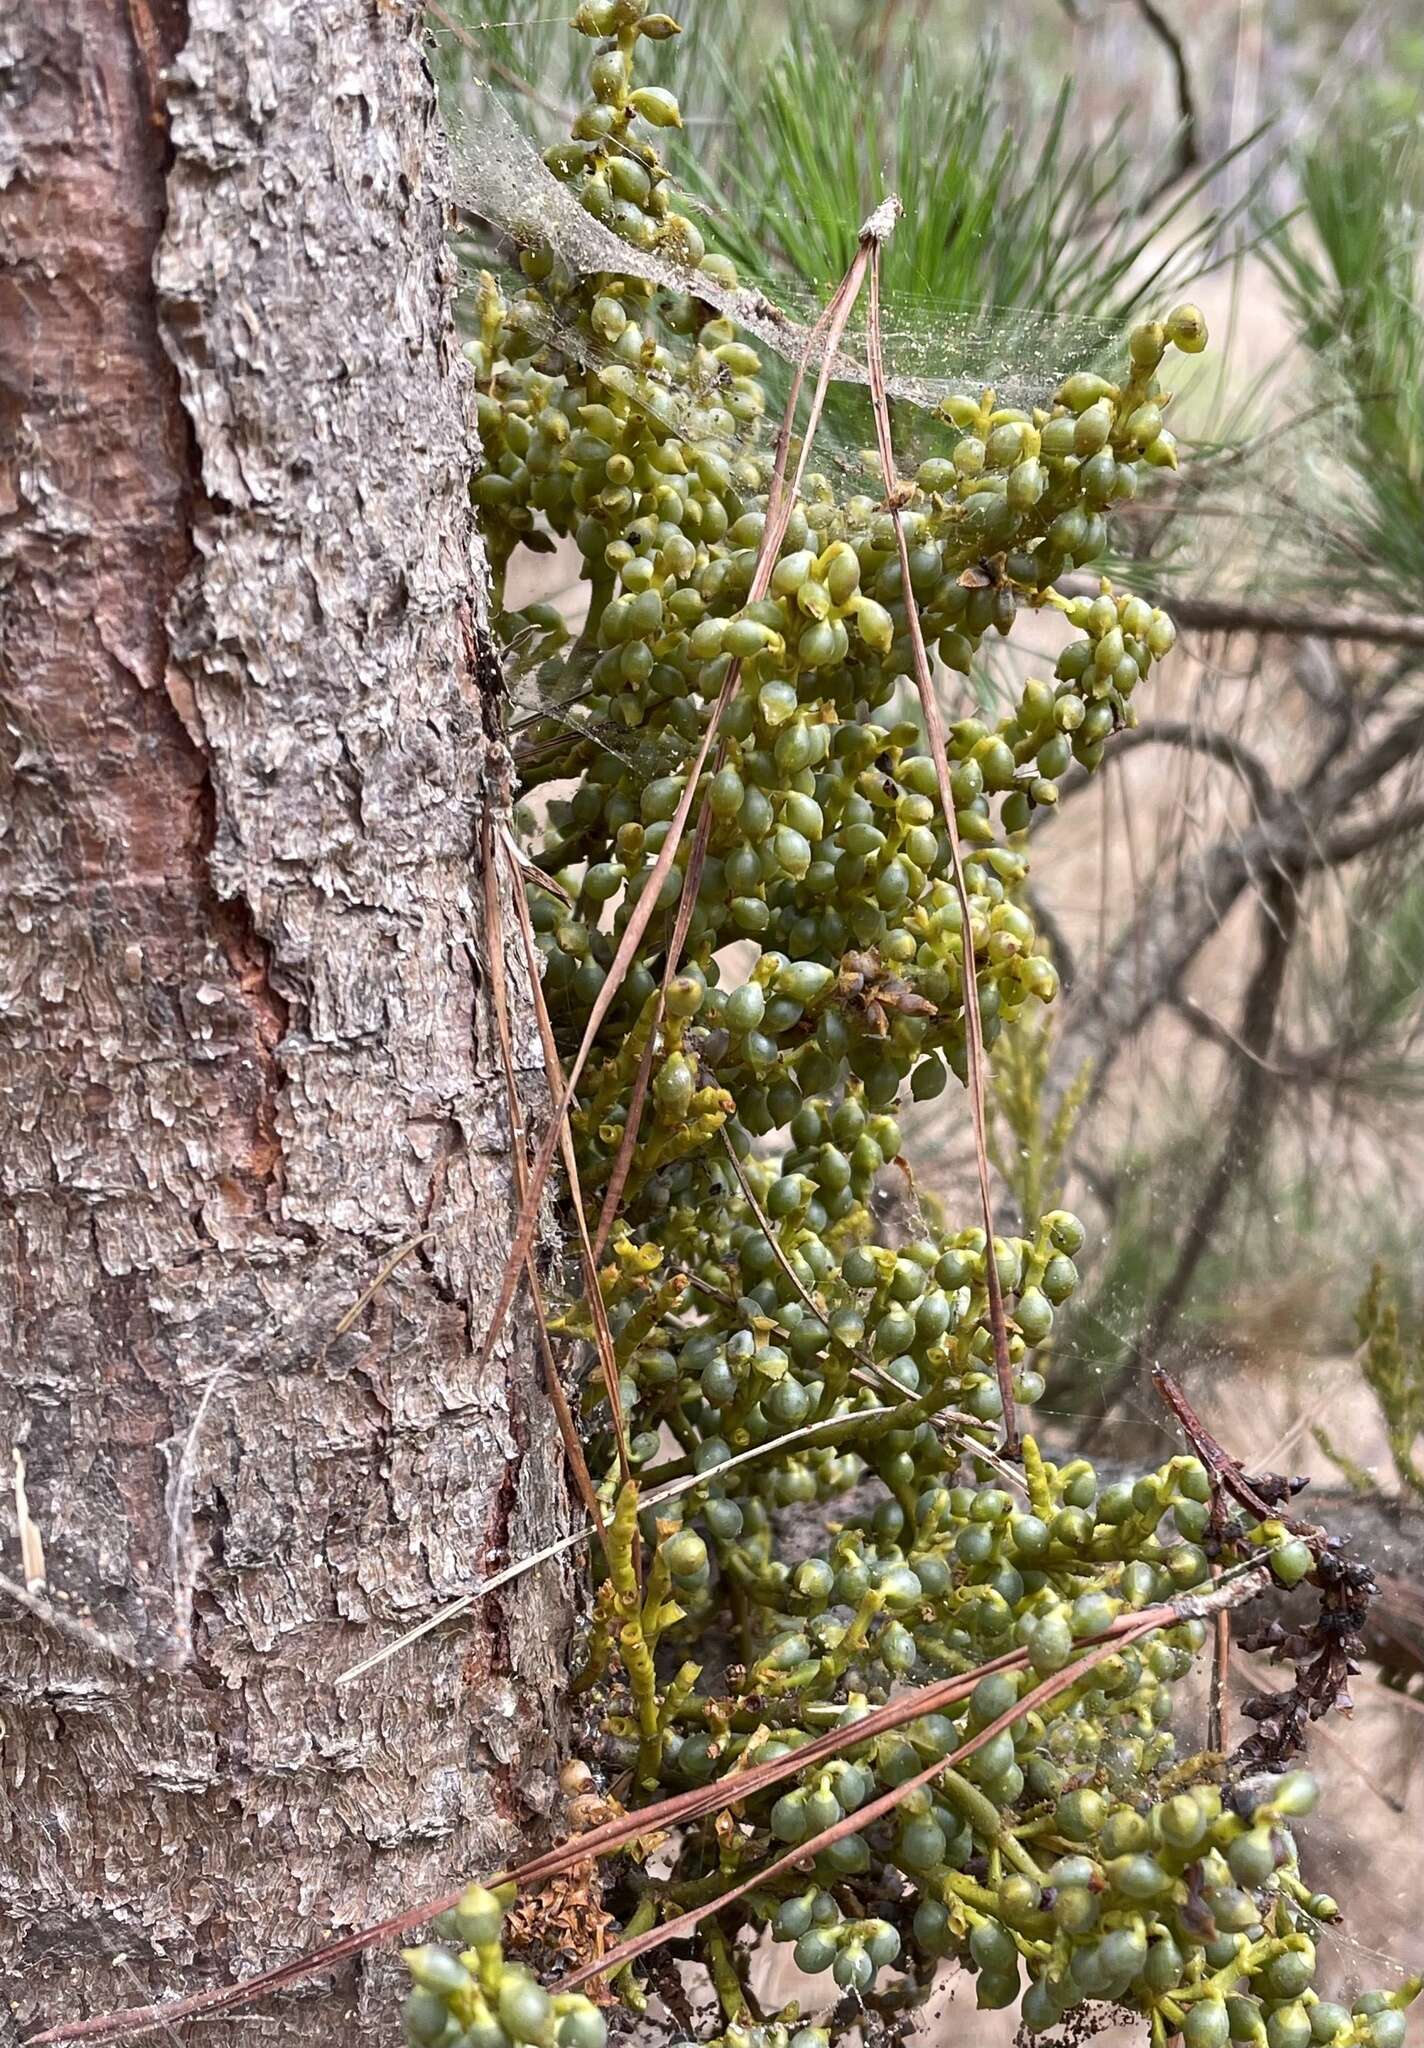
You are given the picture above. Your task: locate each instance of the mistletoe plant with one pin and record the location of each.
(938, 1726)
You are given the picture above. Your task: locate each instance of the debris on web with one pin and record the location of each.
(933, 347)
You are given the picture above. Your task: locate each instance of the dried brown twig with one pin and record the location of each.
(1324, 1651)
(684, 1806)
(934, 730)
(518, 1151)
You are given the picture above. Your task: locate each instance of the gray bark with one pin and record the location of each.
(249, 722)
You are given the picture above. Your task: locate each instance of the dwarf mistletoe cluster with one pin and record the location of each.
(808, 962)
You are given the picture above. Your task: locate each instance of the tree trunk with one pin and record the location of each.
(250, 724)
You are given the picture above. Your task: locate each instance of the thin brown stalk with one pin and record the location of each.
(1136, 1627)
(603, 1336)
(627, 1148)
(684, 1806)
(519, 1156)
(623, 1163)
(1216, 1696)
(934, 729)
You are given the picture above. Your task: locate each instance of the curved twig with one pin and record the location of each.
(1188, 154)
(1197, 739)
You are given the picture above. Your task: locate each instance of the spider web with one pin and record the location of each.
(933, 347)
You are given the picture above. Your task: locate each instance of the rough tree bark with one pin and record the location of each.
(249, 722)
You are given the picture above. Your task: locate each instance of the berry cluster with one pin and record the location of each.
(772, 1348)
(465, 1991)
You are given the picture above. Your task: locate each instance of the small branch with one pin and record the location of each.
(1306, 1068)
(1232, 615)
(1226, 1040)
(1216, 1697)
(1353, 840)
(1188, 148)
(1362, 775)
(1196, 739)
(1246, 1132)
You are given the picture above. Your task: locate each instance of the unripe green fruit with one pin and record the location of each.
(685, 1554)
(1290, 1562)
(1252, 1857)
(1094, 425)
(656, 106)
(1290, 1973)
(424, 2018)
(1181, 1821)
(1186, 329)
(1288, 2027)
(1162, 1970)
(1034, 1316)
(1138, 1877)
(1080, 1814)
(1295, 1795)
(437, 1969)
(814, 1952)
(1075, 1908)
(1206, 2024)
(582, 2027)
